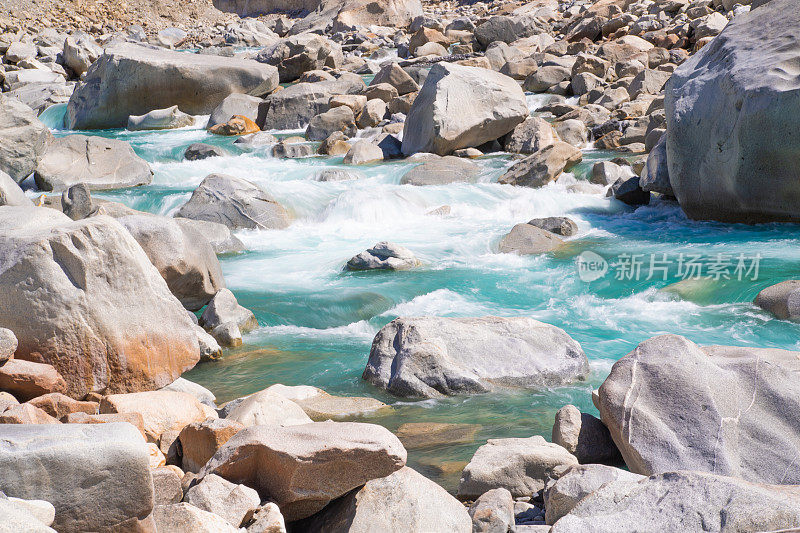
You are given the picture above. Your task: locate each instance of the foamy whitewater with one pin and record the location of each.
(317, 322)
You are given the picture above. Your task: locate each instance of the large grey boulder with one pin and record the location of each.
(570, 484)
(530, 136)
(91, 304)
(732, 110)
(302, 468)
(219, 236)
(182, 255)
(11, 193)
(655, 174)
(432, 356)
(300, 53)
(23, 139)
(395, 76)
(383, 256)
(461, 107)
(98, 162)
(685, 501)
(507, 28)
(442, 171)
(403, 502)
(234, 202)
(294, 106)
(96, 475)
(133, 80)
(235, 104)
(522, 466)
(742, 404)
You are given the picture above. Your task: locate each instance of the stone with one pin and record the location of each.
(403, 502)
(201, 440)
(27, 380)
(203, 395)
(566, 227)
(574, 482)
(384, 91)
(80, 51)
(337, 174)
(6, 401)
(236, 125)
(8, 345)
(293, 465)
(19, 51)
(23, 139)
(608, 173)
(19, 516)
(26, 414)
(355, 102)
(76, 202)
(717, 170)
(520, 465)
(372, 114)
(235, 203)
(267, 408)
(546, 77)
(493, 512)
(335, 119)
(628, 191)
(584, 436)
(506, 28)
(59, 405)
(134, 419)
(320, 406)
(425, 36)
(685, 501)
(655, 175)
(233, 105)
(528, 239)
(267, 519)
(542, 167)
(781, 299)
(233, 503)
(432, 356)
(160, 119)
(256, 140)
(418, 435)
(74, 467)
(437, 122)
(224, 313)
(40, 510)
(219, 236)
(165, 413)
(166, 485)
(383, 256)
(198, 151)
(647, 82)
(530, 136)
(292, 148)
(442, 171)
(730, 394)
(300, 53)
(186, 518)
(129, 79)
(98, 162)
(394, 75)
(363, 152)
(11, 193)
(573, 132)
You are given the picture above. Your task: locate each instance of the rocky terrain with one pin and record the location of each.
(104, 307)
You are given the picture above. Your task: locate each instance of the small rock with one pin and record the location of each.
(383, 256)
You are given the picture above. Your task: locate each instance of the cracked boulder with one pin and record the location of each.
(673, 405)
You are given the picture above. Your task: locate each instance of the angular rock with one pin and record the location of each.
(655, 175)
(383, 256)
(300, 53)
(225, 314)
(493, 512)
(79, 52)
(198, 151)
(267, 519)
(166, 485)
(294, 466)
(336, 119)
(431, 356)
(563, 226)
(98, 162)
(26, 414)
(395, 76)
(628, 191)
(134, 419)
(530, 136)
(132, 80)
(234, 202)
(232, 105)
(76, 202)
(23, 139)
(542, 167)
(233, 503)
(219, 236)
(160, 119)
(186, 518)
(520, 465)
(372, 114)
(59, 405)
(528, 239)
(363, 152)
(437, 121)
(11, 193)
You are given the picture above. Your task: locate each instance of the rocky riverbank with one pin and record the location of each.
(103, 307)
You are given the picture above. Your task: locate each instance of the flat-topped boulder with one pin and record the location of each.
(129, 79)
(741, 403)
(97, 162)
(434, 356)
(462, 107)
(92, 305)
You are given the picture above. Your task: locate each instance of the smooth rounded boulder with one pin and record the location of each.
(84, 297)
(435, 356)
(302, 468)
(129, 79)
(462, 107)
(732, 111)
(742, 403)
(160, 119)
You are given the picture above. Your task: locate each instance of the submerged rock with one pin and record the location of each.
(383, 256)
(528, 239)
(319, 405)
(160, 119)
(441, 171)
(431, 356)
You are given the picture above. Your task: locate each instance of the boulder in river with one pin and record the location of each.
(584, 436)
(98, 162)
(234, 202)
(781, 299)
(461, 107)
(442, 171)
(160, 119)
(433, 356)
(742, 403)
(395, 76)
(93, 305)
(23, 139)
(226, 320)
(302, 468)
(267, 408)
(383, 256)
(198, 151)
(129, 79)
(542, 167)
(234, 104)
(528, 239)
(732, 111)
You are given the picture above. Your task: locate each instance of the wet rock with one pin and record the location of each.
(520, 465)
(383, 256)
(608, 173)
(219, 236)
(655, 175)
(236, 125)
(224, 314)
(98, 162)
(336, 174)
(319, 405)
(493, 512)
(628, 191)
(23, 139)
(430, 356)
(416, 435)
(292, 148)
(234, 202)
(584, 436)
(781, 299)
(160, 119)
(441, 171)
(437, 122)
(363, 152)
(198, 151)
(233, 503)
(542, 167)
(291, 465)
(528, 239)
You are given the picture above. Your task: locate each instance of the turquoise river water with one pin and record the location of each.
(317, 322)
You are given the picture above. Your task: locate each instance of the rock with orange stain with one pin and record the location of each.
(237, 125)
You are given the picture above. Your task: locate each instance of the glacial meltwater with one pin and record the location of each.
(317, 321)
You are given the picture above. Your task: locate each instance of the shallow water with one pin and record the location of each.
(317, 322)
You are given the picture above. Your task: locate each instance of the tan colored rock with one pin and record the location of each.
(526, 239)
(135, 419)
(60, 405)
(415, 435)
(27, 380)
(201, 440)
(26, 414)
(237, 125)
(186, 518)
